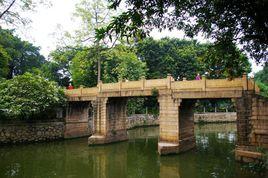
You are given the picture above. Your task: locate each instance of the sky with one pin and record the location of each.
(46, 22)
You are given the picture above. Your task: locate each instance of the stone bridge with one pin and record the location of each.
(176, 102)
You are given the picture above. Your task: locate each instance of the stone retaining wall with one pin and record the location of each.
(215, 117)
(138, 120)
(23, 132)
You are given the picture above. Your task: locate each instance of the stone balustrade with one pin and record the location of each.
(144, 87)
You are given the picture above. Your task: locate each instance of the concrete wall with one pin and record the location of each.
(23, 132)
(215, 117)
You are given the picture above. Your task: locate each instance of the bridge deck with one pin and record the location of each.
(205, 88)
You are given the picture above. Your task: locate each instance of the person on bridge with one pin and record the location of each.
(70, 87)
(198, 77)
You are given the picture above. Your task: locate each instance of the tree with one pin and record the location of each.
(84, 67)
(261, 79)
(262, 75)
(58, 67)
(29, 97)
(118, 63)
(4, 59)
(221, 64)
(121, 62)
(11, 10)
(186, 58)
(93, 14)
(237, 21)
(24, 56)
(169, 56)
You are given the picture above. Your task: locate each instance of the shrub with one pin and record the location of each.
(27, 96)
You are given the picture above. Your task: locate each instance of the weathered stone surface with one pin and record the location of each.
(109, 121)
(165, 148)
(140, 120)
(252, 125)
(176, 118)
(23, 132)
(215, 117)
(77, 120)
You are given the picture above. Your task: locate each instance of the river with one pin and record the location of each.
(136, 158)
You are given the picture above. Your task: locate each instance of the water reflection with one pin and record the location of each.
(213, 157)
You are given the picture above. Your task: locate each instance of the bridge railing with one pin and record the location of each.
(168, 83)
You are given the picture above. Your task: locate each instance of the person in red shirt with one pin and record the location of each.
(70, 87)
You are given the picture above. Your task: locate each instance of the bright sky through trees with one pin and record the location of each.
(49, 24)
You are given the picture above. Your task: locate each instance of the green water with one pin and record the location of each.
(138, 157)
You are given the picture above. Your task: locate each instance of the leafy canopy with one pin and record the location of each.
(58, 67)
(261, 79)
(4, 60)
(236, 21)
(26, 96)
(119, 62)
(186, 58)
(23, 56)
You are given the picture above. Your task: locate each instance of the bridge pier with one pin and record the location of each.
(176, 122)
(109, 116)
(252, 126)
(76, 120)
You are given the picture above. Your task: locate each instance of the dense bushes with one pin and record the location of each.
(27, 96)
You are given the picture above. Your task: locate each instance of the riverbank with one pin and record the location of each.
(12, 132)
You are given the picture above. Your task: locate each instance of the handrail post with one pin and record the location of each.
(169, 79)
(245, 81)
(204, 79)
(120, 84)
(143, 82)
(81, 88)
(100, 86)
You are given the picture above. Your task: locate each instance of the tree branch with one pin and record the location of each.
(5, 11)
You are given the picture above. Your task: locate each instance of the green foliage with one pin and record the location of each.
(121, 62)
(261, 165)
(263, 88)
(93, 14)
(58, 68)
(155, 92)
(136, 106)
(224, 60)
(142, 105)
(261, 79)
(262, 75)
(186, 58)
(242, 21)
(4, 60)
(218, 105)
(84, 67)
(117, 63)
(170, 56)
(27, 96)
(24, 57)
